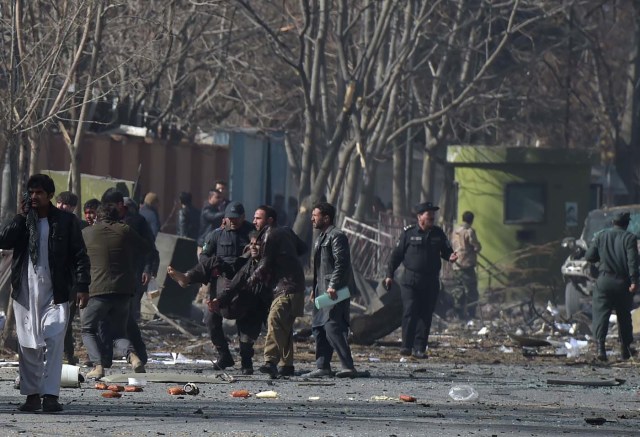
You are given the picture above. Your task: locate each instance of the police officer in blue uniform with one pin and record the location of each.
(227, 243)
(419, 249)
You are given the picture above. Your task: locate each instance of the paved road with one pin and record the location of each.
(513, 400)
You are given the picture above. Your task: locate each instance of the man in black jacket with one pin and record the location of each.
(420, 249)
(227, 243)
(247, 304)
(331, 272)
(188, 218)
(210, 217)
(48, 251)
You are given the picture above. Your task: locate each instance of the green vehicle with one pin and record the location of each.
(578, 274)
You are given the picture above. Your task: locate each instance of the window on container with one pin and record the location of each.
(525, 203)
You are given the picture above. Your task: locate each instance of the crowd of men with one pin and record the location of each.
(252, 273)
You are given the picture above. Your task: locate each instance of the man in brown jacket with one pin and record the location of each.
(465, 243)
(112, 248)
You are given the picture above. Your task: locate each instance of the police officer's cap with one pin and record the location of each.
(234, 210)
(622, 217)
(425, 206)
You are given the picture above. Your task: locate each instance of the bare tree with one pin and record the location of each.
(40, 56)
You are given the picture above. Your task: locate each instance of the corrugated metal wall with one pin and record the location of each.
(167, 169)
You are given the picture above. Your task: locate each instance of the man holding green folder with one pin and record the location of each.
(331, 273)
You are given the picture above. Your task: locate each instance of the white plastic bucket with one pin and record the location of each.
(70, 376)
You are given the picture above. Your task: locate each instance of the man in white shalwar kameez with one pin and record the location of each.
(47, 249)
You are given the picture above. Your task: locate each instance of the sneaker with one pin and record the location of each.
(50, 404)
(405, 352)
(33, 403)
(270, 369)
(318, 373)
(286, 371)
(347, 373)
(247, 370)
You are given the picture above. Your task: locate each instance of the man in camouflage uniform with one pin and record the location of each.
(465, 243)
(617, 252)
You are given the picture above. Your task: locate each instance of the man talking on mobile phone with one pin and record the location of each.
(47, 250)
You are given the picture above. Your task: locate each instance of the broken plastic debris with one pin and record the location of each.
(138, 382)
(403, 359)
(382, 398)
(267, 394)
(506, 350)
(552, 309)
(463, 393)
(566, 327)
(483, 331)
(575, 347)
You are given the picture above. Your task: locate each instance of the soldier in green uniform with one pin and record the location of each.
(617, 252)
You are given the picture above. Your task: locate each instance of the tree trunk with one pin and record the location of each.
(399, 199)
(23, 167)
(426, 186)
(351, 187)
(365, 197)
(34, 154)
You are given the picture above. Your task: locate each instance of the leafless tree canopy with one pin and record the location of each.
(354, 82)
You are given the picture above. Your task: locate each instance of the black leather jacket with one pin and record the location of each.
(188, 222)
(332, 269)
(67, 253)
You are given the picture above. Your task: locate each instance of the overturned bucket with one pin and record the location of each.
(70, 376)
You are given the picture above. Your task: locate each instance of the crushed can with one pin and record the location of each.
(191, 389)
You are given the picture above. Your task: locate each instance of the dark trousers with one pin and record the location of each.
(329, 337)
(69, 341)
(216, 333)
(115, 309)
(419, 297)
(612, 294)
(133, 330)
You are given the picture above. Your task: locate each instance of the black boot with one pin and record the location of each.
(246, 355)
(602, 351)
(224, 359)
(626, 351)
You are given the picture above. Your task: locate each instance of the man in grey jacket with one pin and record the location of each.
(331, 272)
